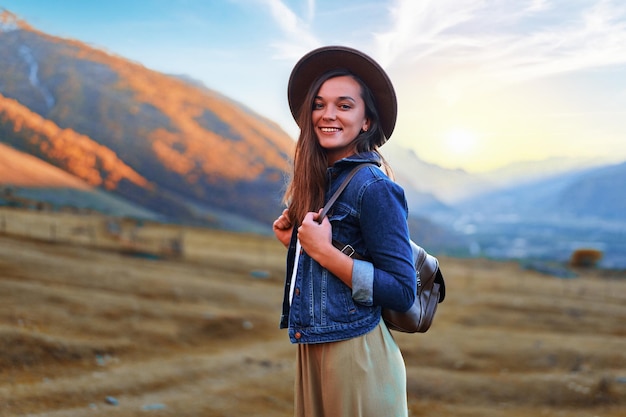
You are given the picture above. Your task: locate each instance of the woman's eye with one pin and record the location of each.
(345, 106)
(318, 106)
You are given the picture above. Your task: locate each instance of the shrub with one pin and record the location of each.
(585, 258)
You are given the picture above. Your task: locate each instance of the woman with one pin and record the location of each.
(348, 364)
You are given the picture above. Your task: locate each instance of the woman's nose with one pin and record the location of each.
(329, 113)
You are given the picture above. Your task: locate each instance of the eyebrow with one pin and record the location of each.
(339, 98)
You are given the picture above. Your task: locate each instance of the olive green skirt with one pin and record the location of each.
(360, 377)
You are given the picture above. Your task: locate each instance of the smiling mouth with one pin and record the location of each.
(329, 129)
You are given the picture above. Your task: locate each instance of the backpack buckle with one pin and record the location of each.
(348, 250)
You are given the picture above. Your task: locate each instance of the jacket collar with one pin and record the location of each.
(350, 161)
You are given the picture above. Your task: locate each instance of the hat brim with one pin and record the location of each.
(328, 58)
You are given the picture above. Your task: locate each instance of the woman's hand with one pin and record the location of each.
(317, 241)
(315, 238)
(283, 228)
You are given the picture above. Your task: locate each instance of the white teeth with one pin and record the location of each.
(329, 129)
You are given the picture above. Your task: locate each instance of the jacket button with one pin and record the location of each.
(297, 291)
(298, 335)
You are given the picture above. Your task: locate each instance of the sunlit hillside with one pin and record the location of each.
(21, 169)
(76, 154)
(155, 139)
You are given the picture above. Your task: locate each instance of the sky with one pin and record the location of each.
(480, 83)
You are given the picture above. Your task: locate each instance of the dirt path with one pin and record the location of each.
(194, 384)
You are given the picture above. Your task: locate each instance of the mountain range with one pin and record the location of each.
(159, 141)
(586, 194)
(548, 218)
(84, 127)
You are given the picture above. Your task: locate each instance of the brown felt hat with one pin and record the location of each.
(328, 58)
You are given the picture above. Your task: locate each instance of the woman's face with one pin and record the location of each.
(338, 116)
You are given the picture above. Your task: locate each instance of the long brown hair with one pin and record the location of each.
(307, 187)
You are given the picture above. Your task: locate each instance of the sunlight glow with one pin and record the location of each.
(449, 93)
(460, 141)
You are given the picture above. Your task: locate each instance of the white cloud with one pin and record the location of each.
(531, 42)
(538, 5)
(310, 10)
(418, 27)
(596, 39)
(297, 37)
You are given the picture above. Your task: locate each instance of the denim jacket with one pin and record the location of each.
(371, 216)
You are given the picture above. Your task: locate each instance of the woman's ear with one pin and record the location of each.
(366, 125)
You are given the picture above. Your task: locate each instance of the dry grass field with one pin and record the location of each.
(93, 323)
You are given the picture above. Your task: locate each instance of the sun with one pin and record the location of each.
(460, 141)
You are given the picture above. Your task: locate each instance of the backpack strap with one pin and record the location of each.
(347, 249)
(342, 187)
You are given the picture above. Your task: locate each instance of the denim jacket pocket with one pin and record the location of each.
(339, 212)
(338, 304)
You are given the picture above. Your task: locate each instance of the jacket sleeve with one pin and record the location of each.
(385, 232)
(363, 282)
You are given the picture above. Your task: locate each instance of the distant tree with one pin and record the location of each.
(585, 258)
